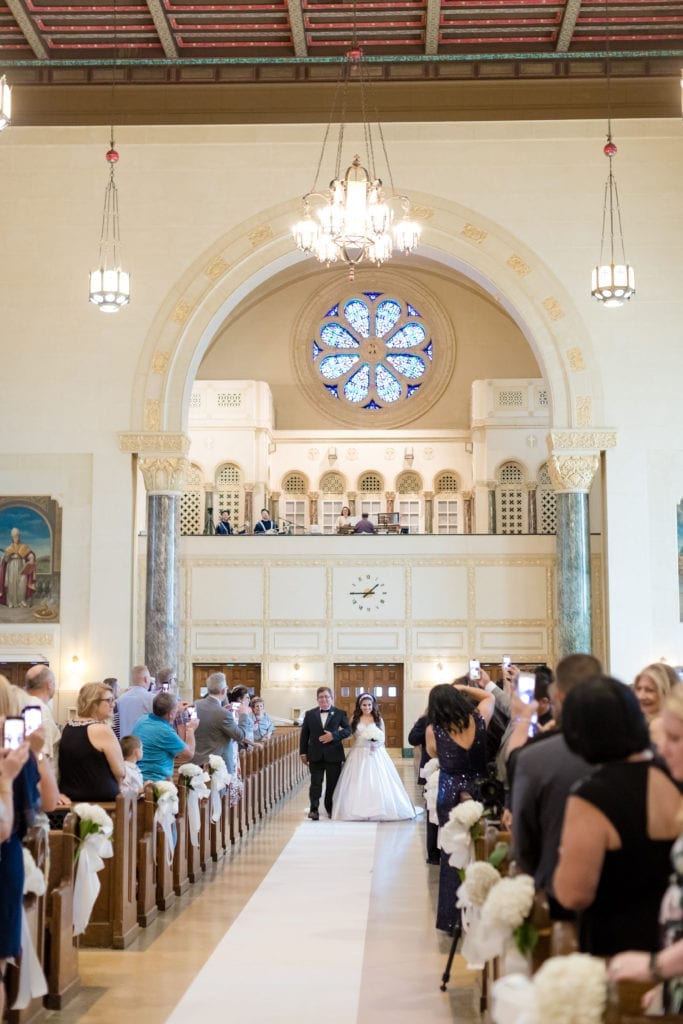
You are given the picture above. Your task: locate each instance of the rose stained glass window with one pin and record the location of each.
(372, 351)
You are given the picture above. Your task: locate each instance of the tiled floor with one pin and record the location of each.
(342, 927)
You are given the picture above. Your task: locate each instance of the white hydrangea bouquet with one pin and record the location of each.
(478, 879)
(195, 779)
(371, 732)
(220, 780)
(504, 928)
(166, 800)
(430, 773)
(457, 836)
(95, 829)
(565, 990)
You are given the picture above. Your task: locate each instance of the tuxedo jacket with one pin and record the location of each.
(337, 723)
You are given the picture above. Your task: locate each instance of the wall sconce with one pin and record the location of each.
(76, 667)
(409, 455)
(296, 671)
(332, 454)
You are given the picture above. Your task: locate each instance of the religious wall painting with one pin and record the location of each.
(680, 559)
(30, 559)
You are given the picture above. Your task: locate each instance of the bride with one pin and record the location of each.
(369, 788)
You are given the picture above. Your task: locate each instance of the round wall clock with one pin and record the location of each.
(368, 592)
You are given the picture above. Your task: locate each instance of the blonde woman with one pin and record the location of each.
(90, 760)
(667, 965)
(651, 687)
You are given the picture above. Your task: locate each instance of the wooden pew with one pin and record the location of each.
(34, 906)
(624, 1005)
(146, 868)
(204, 833)
(194, 869)
(61, 949)
(181, 871)
(114, 919)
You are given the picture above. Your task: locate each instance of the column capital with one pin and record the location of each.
(581, 441)
(164, 475)
(154, 442)
(572, 472)
(390, 495)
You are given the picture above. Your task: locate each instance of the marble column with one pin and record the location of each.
(571, 476)
(429, 511)
(390, 500)
(209, 521)
(163, 478)
(467, 517)
(313, 507)
(248, 525)
(532, 518)
(491, 505)
(351, 498)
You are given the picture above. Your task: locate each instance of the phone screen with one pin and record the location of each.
(13, 735)
(192, 712)
(475, 670)
(526, 684)
(165, 687)
(506, 660)
(33, 719)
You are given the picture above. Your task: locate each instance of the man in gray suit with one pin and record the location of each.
(217, 730)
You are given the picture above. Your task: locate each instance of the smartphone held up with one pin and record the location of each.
(13, 732)
(475, 671)
(33, 719)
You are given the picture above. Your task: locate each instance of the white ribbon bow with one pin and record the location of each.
(219, 781)
(92, 852)
(164, 817)
(32, 981)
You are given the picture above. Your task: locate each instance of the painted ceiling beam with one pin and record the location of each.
(25, 23)
(163, 29)
(566, 33)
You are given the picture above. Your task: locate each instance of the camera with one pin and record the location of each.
(491, 792)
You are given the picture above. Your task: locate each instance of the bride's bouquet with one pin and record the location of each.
(371, 732)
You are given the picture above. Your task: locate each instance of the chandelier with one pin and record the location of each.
(355, 220)
(613, 282)
(109, 283)
(5, 103)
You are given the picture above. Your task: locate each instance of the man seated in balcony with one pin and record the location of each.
(365, 524)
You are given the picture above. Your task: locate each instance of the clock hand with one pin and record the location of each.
(372, 590)
(358, 593)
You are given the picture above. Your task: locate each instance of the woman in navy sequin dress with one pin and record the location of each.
(456, 735)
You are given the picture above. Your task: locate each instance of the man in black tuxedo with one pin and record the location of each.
(321, 748)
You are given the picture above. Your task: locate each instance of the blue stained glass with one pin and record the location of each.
(357, 386)
(408, 366)
(358, 315)
(332, 390)
(336, 366)
(386, 315)
(372, 405)
(412, 388)
(407, 337)
(334, 311)
(412, 311)
(428, 350)
(372, 295)
(388, 388)
(337, 336)
(316, 351)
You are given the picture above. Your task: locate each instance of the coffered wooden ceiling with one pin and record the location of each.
(196, 61)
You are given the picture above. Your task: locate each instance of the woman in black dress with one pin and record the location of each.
(619, 824)
(456, 735)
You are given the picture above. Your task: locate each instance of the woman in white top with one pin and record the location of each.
(345, 522)
(370, 788)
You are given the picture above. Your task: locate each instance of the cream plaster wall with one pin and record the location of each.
(184, 191)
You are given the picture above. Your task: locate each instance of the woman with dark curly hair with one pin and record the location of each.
(456, 735)
(370, 788)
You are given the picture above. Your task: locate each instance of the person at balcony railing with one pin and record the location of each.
(365, 524)
(265, 523)
(224, 526)
(345, 522)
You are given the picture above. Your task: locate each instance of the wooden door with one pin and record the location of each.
(385, 682)
(237, 674)
(15, 671)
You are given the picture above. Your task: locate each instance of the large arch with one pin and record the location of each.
(454, 236)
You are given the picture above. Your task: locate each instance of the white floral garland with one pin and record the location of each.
(95, 829)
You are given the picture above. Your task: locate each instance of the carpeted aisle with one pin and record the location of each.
(311, 909)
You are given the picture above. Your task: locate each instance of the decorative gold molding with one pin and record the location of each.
(584, 410)
(164, 475)
(517, 264)
(260, 235)
(572, 472)
(32, 640)
(181, 312)
(160, 362)
(156, 442)
(152, 414)
(595, 440)
(216, 268)
(474, 233)
(553, 308)
(575, 359)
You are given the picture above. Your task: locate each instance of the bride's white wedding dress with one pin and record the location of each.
(369, 788)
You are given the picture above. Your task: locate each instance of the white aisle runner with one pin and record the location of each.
(296, 950)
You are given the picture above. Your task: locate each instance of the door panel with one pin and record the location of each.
(385, 682)
(237, 674)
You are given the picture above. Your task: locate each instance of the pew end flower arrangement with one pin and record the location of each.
(220, 780)
(93, 846)
(166, 808)
(565, 990)
(464, 826)
(194, 779)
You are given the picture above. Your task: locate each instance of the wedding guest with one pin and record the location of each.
(265, 524)
(135, 702)
(263, 726)
(619, 823)
(40, 685)
(667, 965)
(651, 686)
(456, 735)
(131, 748)
(417, 738)
(217, 732)
(365, 524)
(161, 744)
(113, 684)
(224, 526)
(344, 521)
(90, 760)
